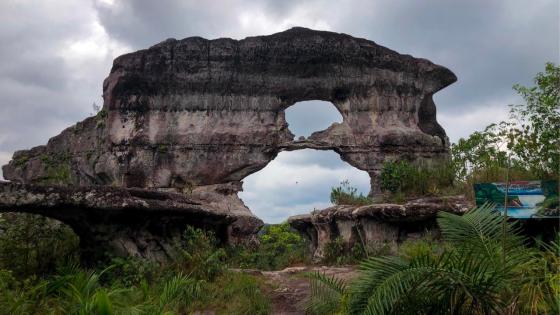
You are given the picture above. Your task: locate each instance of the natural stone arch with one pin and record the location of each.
(202, 112)
(196, 116)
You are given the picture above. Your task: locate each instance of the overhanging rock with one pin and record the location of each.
(377, 225)
(122, 221)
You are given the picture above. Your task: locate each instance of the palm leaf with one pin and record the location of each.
(328, 294)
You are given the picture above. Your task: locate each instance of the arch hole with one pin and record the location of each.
(307, 117)
(297, 182)
(32, 244)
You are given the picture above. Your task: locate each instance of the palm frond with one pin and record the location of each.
(328, 294)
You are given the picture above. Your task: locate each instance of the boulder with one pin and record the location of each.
(377, 225)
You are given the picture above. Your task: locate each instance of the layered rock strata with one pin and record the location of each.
(196, 116)
(121, 221)
(375, 226)
(196, 112)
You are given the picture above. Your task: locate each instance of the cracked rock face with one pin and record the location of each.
(195, 112)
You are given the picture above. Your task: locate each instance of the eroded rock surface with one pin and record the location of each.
(198, 112)
(377, 225)
(119, 221)
(196, 116)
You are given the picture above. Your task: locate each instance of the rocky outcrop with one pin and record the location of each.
(196, 116)
(195, 112)
(377, 225)
(119, 221)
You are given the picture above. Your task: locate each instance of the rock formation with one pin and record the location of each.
(195, 112)
(375, 226)
(121, 221)
(197, 116)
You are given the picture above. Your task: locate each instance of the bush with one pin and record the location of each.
(279, 247)
(35, 245)
(417, 180)
(348, 195)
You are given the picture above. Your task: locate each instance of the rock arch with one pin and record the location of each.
(197, 116)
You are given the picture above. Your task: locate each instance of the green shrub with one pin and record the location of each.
(236, 293)
(344, 194)
(279, 247)
(35, 245)
(417, 180)
(334, 252)
(199, 254)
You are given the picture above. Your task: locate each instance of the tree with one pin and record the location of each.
(534, 136)
(530, 139)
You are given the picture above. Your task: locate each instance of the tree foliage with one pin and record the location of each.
(528, 142)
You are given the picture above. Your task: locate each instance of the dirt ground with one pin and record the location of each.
(289, 288)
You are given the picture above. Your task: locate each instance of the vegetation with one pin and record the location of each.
(279, 247)
(412, 180)
(344, 194)
(34, 245)
(37, 279)
(528, 143)
(485, 268)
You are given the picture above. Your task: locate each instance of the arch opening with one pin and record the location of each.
(297, 182)
(36, 244)
(307, 117)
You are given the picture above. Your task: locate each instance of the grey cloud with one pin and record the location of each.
(41, 93)
(307, 117)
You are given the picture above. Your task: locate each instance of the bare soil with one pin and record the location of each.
(288, 289)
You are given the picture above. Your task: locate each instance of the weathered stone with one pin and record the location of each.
(120, 221)
(198, 112)
(376, 225)
(196, 116)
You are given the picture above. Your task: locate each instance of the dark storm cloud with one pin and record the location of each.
(490, 45)
(44, 86)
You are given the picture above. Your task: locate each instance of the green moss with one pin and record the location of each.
(58, 168)
(162, 148)
(21, 160)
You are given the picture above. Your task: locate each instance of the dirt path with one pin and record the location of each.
(290, 288)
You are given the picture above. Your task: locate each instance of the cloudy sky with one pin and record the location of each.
(54, 55)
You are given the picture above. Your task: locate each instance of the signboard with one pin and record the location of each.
(526, 199)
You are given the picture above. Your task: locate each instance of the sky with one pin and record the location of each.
(54, 55)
